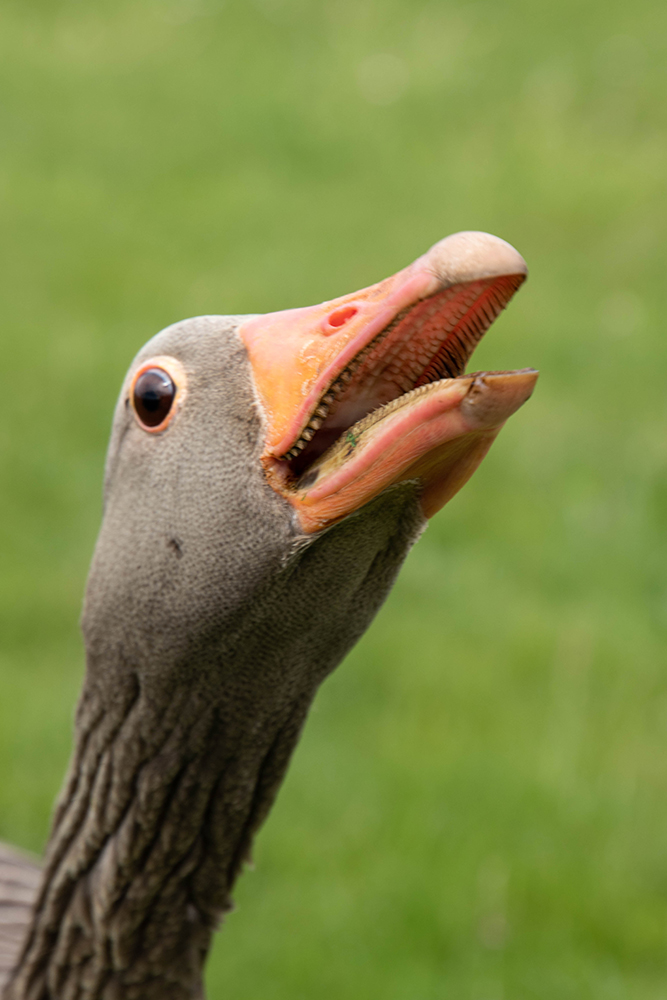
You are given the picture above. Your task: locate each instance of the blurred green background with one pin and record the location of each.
(478, 809)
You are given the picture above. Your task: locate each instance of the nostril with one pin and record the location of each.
(339, 317)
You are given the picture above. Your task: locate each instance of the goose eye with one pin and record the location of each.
(154, 394)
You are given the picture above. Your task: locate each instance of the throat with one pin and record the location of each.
(179, 753)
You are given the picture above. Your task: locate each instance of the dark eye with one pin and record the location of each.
(154, 394)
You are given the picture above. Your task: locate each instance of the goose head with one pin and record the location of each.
(240, 443)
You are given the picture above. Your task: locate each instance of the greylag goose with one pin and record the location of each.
(265, 478)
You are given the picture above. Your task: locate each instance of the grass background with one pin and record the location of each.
(478, 809)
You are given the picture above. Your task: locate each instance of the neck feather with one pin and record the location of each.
(153, 826)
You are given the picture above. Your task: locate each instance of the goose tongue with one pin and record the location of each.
(336, 382)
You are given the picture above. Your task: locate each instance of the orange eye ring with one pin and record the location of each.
(156, 393)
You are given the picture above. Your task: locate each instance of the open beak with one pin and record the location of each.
(370, 389)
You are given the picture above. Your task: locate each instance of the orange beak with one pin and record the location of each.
(368, 390)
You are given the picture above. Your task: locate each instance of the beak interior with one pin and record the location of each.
(430, 341)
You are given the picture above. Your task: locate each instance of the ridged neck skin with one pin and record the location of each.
(176, 765)
(156, 819)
